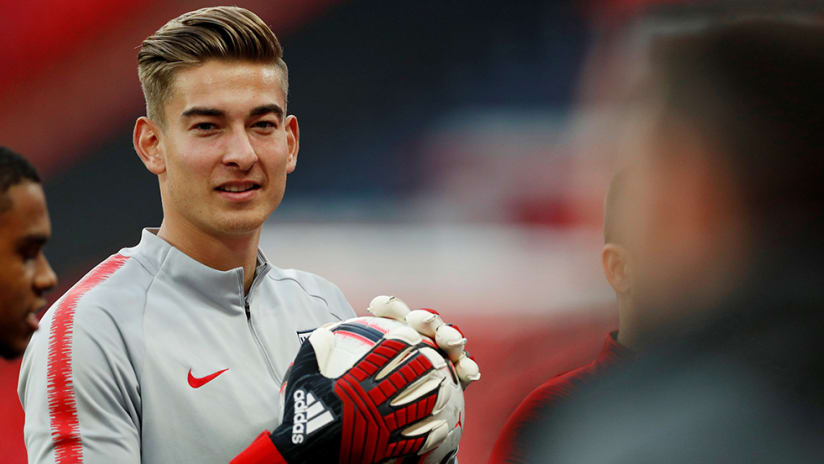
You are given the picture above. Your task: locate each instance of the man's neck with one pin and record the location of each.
(218, 252)
(628, 330)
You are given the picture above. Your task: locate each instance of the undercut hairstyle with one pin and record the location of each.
(224, 33)
(754, 88)
(615, 207)
(14, 169)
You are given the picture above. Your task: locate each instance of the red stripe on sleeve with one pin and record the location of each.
(65, 428)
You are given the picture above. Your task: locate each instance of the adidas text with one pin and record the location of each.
(310, 415)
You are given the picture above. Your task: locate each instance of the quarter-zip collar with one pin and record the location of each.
(224, 288)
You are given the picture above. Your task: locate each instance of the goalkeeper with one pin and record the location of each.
(174, 350)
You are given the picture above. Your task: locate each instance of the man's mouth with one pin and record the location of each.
(238, 188)
(32, 321)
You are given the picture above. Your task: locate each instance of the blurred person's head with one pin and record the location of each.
(216, 132)
(730, 157)
(25, 274)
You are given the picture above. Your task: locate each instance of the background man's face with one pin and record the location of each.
(25, 274)
(228, 146)
(684, 216)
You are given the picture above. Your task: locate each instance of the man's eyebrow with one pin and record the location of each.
(201, 111)
(266, 109)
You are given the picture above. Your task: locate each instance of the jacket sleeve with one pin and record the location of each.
(79, 388)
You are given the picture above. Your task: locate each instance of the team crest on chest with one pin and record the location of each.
(303, 335)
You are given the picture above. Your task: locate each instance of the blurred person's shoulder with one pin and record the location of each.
(691, 400)
(509, 448)
(520, 428)
(566, 383)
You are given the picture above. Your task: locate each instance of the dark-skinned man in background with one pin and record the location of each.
(25, 274)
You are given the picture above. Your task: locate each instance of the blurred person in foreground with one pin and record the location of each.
(729, 206)
(175, 350)
(618, 264)
(25, 274)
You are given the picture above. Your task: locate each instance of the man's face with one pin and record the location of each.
(25, 274)
(227, 147)
(685, 216)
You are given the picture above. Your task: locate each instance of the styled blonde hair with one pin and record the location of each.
(223, 32)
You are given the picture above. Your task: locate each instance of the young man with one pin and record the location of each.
(729, 203)
(25, 274)
(618, 265)
(175, 350)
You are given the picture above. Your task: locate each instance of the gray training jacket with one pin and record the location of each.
(153, 357)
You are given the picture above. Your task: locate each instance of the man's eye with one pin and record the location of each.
(29, 253)
(205, 126)
(265, 124)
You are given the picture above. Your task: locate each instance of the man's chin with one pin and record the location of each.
(241, 224)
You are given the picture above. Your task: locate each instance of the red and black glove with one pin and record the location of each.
(367, 415)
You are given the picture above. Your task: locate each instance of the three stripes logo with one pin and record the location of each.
(310, 415)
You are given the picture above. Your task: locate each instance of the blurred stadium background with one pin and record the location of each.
(454, 153)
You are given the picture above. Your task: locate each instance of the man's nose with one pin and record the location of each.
(45, 279)
(240, 154)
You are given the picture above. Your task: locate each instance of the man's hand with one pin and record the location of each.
(381, 408)
(429, 323)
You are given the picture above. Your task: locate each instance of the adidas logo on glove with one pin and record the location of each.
(310, 415)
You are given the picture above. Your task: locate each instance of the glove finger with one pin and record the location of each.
(322, 342)
(389, 307)
(438, 430)
(468, 371)
(451, 341)
(427, 383)
(424, 321)
(391, 354)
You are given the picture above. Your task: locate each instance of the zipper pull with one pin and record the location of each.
(246, 306)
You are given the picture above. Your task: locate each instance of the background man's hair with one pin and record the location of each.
(14, 169)
(224, 32)
(754, 88)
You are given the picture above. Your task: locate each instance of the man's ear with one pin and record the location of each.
(615, 260)
(146, 140)
(292, 142)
